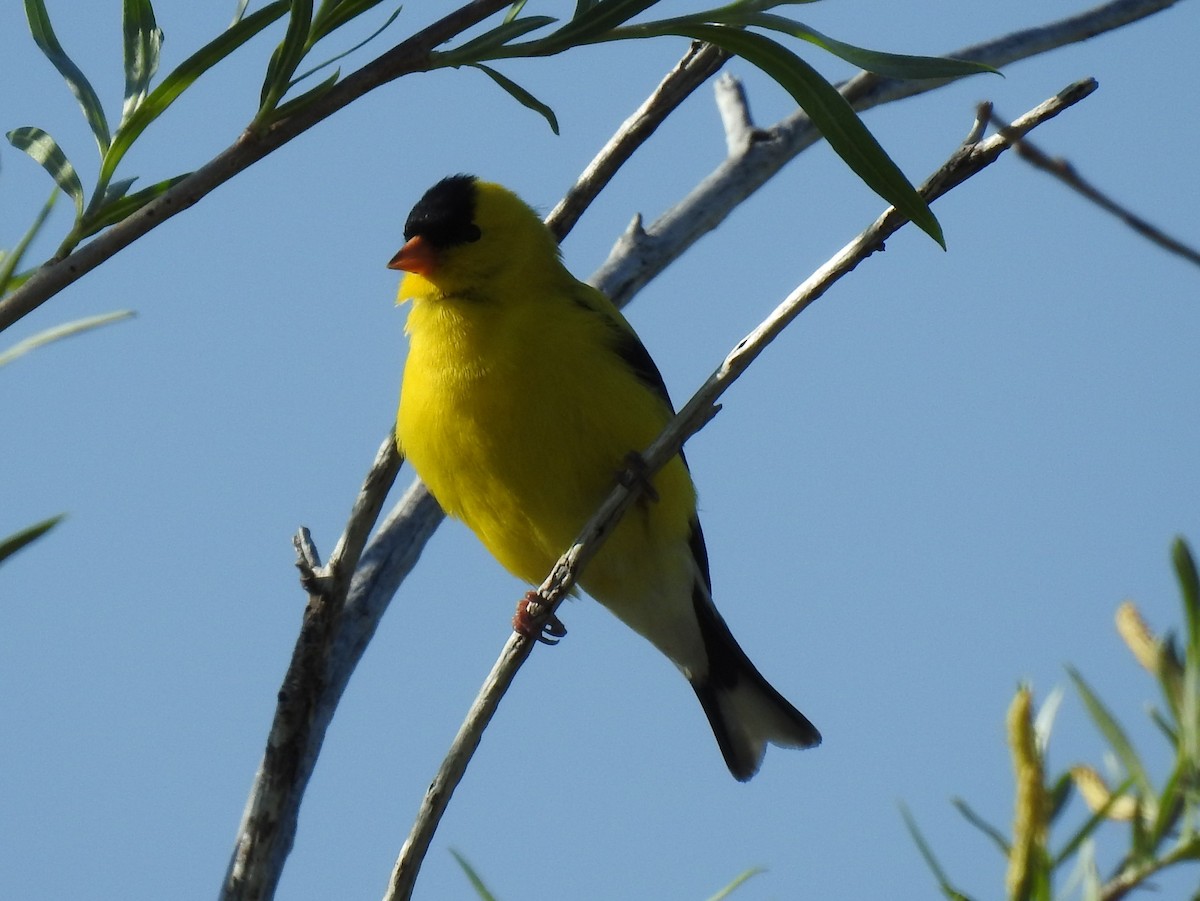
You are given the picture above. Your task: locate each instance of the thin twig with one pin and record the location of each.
(1066, 173)
(411, 55)
(967, 161)
(697, 65)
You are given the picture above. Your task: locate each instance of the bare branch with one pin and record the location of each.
(735, 113)
(700, 62)
(966, 162)
(1067, 174)
(307, 697)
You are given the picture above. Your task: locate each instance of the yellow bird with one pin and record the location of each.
(525, 391)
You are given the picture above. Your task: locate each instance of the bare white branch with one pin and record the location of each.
(735, 113)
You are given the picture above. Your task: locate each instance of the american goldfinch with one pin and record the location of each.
(525, 391)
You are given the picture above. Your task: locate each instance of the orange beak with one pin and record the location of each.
(418, 256)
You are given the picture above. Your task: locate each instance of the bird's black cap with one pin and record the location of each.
(445, 216)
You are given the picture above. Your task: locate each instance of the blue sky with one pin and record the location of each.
(940, 482)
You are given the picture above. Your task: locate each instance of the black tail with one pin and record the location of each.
(743, 708)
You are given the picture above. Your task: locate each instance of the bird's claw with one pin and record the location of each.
(537, 624)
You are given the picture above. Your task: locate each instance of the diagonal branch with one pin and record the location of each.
(969, 160)
(1068, 175)
(701, 61)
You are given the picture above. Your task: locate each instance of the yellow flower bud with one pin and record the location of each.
(1096, 793)
(1029, 821)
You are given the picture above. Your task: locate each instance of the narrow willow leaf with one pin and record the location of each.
(1168, 803)
(891, 65)
(329, 62)
(1113, 734)
(143, 42)
(1058, 796)
(66, 330)
(46, 151)
(183, 76)
(482, 47)
(124, 207)
(44, 37)
(599, 18)
(514, 10)
(289, 107)
(927, 855)
(997, 837)
(332, 16)
(10, 261)
(521, 95)
(831, 114)
(287, 55)
(1189, 587)
(239, 12)
(737, 883)
(18, 540)
(117, 190)
(473, 877)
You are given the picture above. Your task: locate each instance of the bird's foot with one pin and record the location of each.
(536, 623)
(635, 474)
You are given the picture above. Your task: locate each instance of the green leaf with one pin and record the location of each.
(982, 825)
(737, 883)
(473, 877)
(117, 209)
(332, 16)
(930, 860)
(289, 107)
(44, 37)
(1168, 802)
(831, 114)
(1189, 701)
(143, 41)
(239, 12)
(1058, 796)
(18, 540)
(1189, 587)
(1113, 734)
(10, 261)
(59, 332)
(182, 77)
(329, 62)
(521, 95)
(115, 191)
(891, 65)
(514, 10)
(287, 55)
(45, 150)
(483, 46)
(593, 20)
